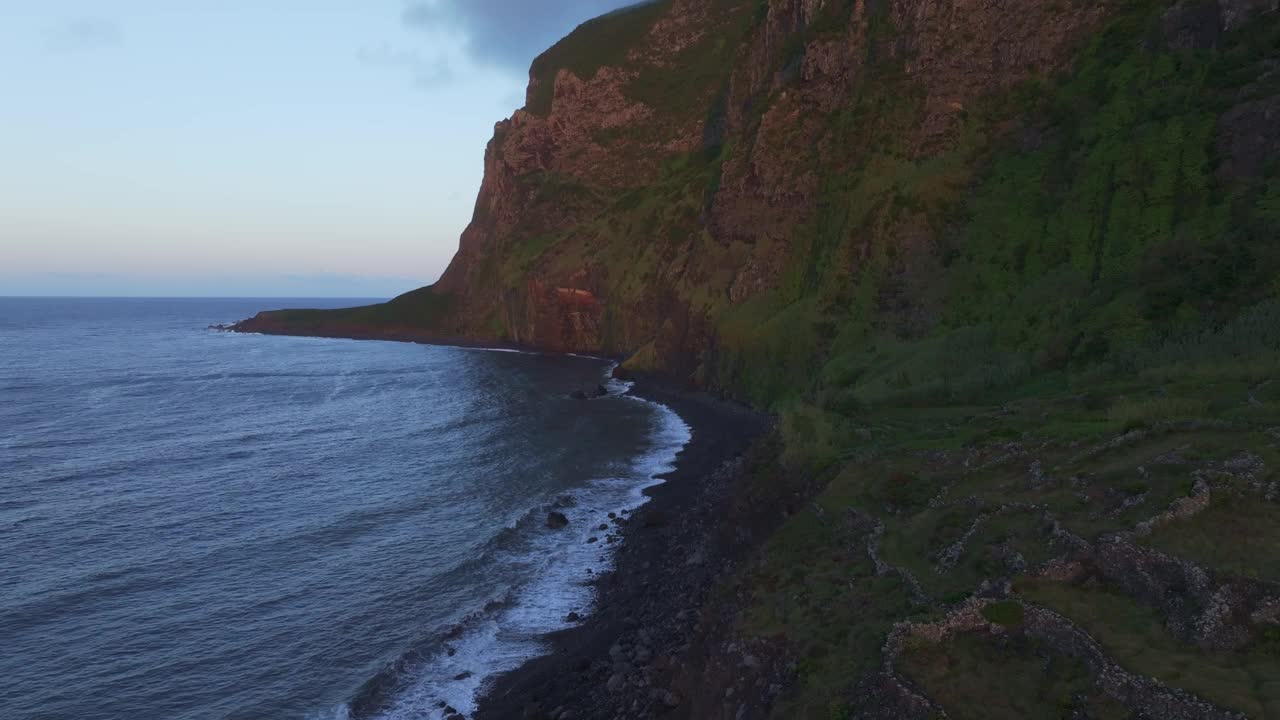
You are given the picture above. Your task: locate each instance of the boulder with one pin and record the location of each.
(557, 520)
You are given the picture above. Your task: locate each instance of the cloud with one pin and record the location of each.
(80, 34)
(505, 33)
(426, 72)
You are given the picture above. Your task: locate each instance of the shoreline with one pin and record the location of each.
(664, 563)
(410, 336)
(672, 550)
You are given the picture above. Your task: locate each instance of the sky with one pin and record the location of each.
(322, 148)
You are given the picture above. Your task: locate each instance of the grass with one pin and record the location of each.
(421, 309)
(986, 677)
(1008, 614)
(1238, 535)
(1137, 638)
(687, 81)
(814, 588)
(927, 473)
(1143, 412)
(603, 41)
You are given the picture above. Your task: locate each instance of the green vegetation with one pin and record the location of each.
(414, 310)
(1237, 535)
(981, 678)
(1008, 614)
(1109, 244)
(685, 81)
(818, 591)
(1138, 639)
(971, 496)
(606, 40)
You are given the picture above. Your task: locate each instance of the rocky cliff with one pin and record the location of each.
(740, 192)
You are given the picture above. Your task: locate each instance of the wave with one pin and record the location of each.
(550, 574)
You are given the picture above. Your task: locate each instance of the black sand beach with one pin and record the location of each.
(672, 551)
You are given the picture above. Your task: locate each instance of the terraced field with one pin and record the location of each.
(1107, 553)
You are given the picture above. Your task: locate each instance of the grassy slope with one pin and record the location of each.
(412, 311)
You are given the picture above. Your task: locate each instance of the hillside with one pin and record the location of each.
(1008, 273)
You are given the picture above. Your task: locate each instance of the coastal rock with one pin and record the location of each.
(557, 520)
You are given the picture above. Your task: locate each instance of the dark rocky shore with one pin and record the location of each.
(626, 659)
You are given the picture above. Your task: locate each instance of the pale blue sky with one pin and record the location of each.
(251, 147)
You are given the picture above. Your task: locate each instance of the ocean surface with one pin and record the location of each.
(197, 524)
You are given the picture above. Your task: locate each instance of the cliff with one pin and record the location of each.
(743, 193)
(1006, 271)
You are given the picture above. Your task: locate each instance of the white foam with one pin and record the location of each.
(616, 386)
(558, 570)
(493, 349)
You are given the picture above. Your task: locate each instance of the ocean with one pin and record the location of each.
(198, 524)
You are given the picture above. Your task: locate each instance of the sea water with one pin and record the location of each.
(200, 524)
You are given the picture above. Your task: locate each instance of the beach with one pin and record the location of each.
(673, 549)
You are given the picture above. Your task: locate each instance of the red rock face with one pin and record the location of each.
(563, 319)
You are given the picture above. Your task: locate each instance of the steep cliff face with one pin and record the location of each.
(632, 203)
(752, 194)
